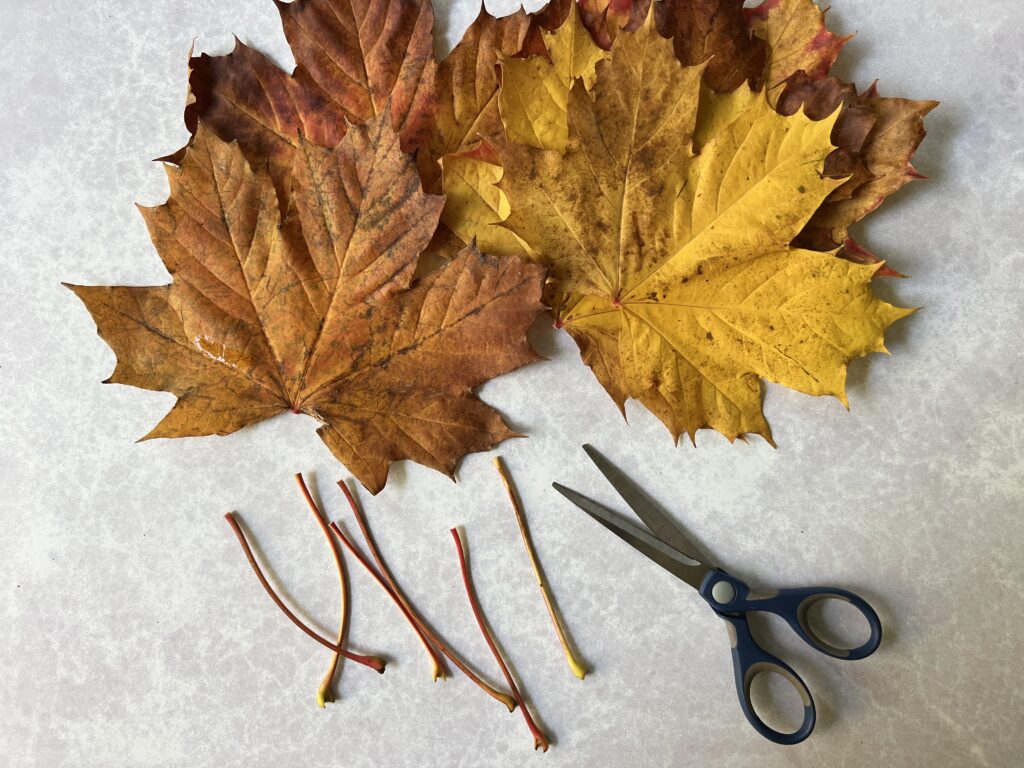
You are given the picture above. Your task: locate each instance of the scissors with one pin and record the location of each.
(728, 596)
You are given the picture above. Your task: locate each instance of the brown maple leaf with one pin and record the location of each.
(714, 31)
(355, 59)
(466, 100)
(315, 312)
(607, 18)
(875, 137)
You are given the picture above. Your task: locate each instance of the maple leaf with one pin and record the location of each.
(787, 44)
(679, 281)
(355, 59)
(607, 18)
(798, 40)
(769, 42)
(468, 127)
(467, 123)
(467, 83)
(716, 32)
(875, 138)
(315, 312)
(474, 201)
(535, 90)
(533, 98)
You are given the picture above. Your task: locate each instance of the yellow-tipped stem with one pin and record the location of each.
(325, 693)
(383, 576)
(574, 664)
(411, 612)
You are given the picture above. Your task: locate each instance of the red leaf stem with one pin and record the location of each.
(540, 741)
(373, 662)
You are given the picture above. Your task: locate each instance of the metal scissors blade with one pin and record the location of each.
(675, 562)
(663, 526)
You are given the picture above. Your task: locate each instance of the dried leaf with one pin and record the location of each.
(875, 138)
(680, 283)
(468, 124)
(466, 116)
(535, 90)
(316, 313)
(797, 38)
(716, 32)
(355, 59)
(474, 203)
(467, 91)
(607, 18)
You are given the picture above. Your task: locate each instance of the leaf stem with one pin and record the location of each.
(577, 668)
(437, 670)
(540, 741)
(437, 666)
(325, 692)
(494, 693)
(373, 662)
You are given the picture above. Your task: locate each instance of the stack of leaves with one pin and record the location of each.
(693, 219)
(686, 174)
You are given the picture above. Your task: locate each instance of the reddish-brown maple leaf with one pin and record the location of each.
(316, 312)
(355, 59)
(607, 18)
(875, 137)
(714, 31)
(797, 36)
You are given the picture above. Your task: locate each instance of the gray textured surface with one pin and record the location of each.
(132, 633)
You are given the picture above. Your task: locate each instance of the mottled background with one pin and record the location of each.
(133, 634)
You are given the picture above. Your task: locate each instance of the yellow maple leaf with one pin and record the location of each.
(533, 102)
(681, 286)
(474, 203)
(535, 91)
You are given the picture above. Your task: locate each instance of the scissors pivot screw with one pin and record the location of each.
(723, 592)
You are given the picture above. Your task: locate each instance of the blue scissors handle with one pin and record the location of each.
(733, 599)
(727, 594)
(750, 660)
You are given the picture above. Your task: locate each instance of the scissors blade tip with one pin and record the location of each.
(569, 493)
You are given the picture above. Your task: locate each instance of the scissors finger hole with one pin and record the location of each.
(776, 700)
(836, 623)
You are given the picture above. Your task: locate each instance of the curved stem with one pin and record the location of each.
(380, 580)
(325, 692)
(437, 666)
(373, 662)
(540, 741)
(494, 693)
